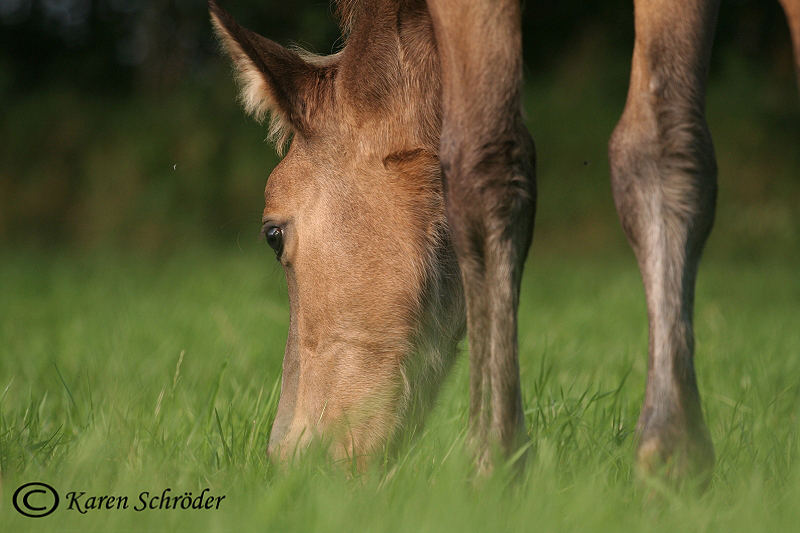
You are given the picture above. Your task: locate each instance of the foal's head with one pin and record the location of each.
(355, 214)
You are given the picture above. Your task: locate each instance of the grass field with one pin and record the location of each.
(122, 375)
(154, 368)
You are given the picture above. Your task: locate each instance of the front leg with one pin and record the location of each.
(487, 160)
(663, 174)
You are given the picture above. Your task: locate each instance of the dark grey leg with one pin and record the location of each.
(488, 165)
(663, 174)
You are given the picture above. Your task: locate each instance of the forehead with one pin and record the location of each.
(287, 182)
(318, 170)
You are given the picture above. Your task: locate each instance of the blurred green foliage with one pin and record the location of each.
(120, 126)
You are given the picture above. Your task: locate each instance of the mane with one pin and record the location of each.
(280, 132)
(370, 67)
(346, 12)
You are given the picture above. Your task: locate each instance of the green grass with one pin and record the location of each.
(123, 372)
(120, 374)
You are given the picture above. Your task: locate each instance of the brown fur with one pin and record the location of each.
(410, 174)
(294, 90)
(663, 174)
(488, 163)
(374, 297)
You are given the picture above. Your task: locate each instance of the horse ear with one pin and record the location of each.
(273, 79)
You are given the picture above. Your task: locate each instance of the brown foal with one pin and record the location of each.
(403, 212)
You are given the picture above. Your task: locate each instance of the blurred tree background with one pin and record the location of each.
(120, 128)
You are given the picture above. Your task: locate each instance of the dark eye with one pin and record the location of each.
(274, 236)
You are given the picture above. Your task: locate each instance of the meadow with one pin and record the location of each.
(130, 369)
(123, 375)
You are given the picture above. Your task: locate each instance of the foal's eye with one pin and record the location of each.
(274, 236)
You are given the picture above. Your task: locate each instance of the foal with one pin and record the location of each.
(355, 214)
(410, 175)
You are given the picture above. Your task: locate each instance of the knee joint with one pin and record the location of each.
(668, 136)
(663, 166)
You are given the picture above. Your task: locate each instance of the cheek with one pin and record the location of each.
(354, 300)
(355, 303)
(351, 343)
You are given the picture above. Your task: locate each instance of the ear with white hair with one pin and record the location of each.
(274, 80)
